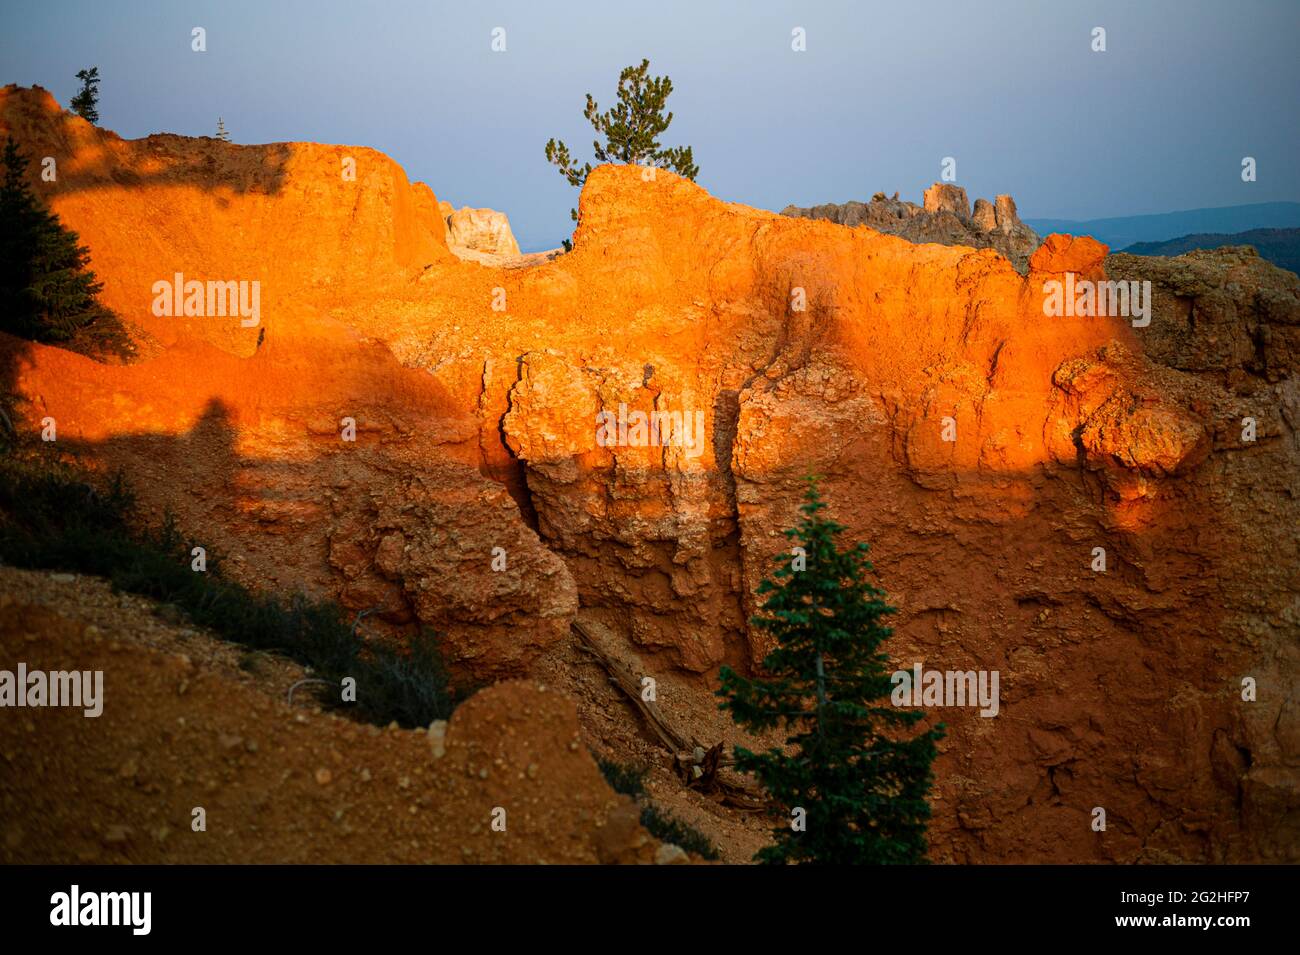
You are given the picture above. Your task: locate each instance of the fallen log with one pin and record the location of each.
(696, 765)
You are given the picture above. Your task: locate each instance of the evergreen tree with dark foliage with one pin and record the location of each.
(631, 130)
(47, 293)
(848, 761)
(86, 103)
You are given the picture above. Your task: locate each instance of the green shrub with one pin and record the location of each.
(623, 779)
(668, 828)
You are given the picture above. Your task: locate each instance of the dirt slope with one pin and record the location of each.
(188, 721)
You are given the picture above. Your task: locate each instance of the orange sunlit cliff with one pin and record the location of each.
(983, 448)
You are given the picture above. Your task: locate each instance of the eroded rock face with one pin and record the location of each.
(802, 347)
(417, 551)
(644, 523)
(480, 230)
(1216, 313)
(945, 216)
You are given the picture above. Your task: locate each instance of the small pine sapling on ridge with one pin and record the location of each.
(631, 130)
(86, 102)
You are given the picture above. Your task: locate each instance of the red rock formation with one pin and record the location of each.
(805, 347)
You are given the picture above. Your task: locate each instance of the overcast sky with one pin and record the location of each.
(1010, 88)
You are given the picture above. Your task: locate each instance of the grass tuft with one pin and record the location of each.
(668, 828)
(629, 780)
(624, 779)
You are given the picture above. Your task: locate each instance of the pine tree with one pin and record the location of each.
(86, 103)
(46, 291)
(222, 134)
(631, 130)
(848, 761)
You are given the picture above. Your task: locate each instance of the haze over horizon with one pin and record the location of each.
(1157, 123)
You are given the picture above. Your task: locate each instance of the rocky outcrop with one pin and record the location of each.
(945, 217)
(1227, 314)
(481, 235)
(943, 197)
(984, 448)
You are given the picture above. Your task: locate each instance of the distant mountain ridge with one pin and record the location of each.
(1122, 231)
(1279, 246)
